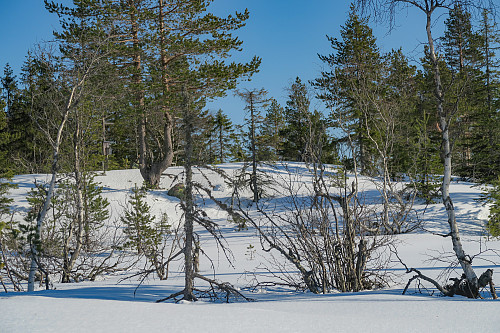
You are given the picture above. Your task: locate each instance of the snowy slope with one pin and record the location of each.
(109, 305)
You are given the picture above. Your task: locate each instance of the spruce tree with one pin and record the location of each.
(4, 138)
(402, 92)
(140, 225)
(297, 115)
(304, 131)
(255, 100)
(272, 125)
(9, 86)
(25, 151)
(354, 70)
(224, 133)
(464, 83)
(485, 138)
(238, 153)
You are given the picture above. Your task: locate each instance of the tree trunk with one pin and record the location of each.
(56, 144)
(70, 257)
(152, 170)
(189, 204)
(464, 260)
(254, 152)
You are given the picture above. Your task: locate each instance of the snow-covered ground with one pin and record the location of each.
(112, 304)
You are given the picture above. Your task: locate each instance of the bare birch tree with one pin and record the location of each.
(56, 85)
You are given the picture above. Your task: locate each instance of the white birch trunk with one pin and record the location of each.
(56, 144)
(464, 260)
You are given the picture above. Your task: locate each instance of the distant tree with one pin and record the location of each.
(237, 149)
(272, 124)
(485, 118)
(224, 133)
(204, 148)
(463, 84)
(297, 116)
(402, 92)
(255, 100)
(9, 86)
(24, 152)
(354, 66)
(304, 131)
(4, 139)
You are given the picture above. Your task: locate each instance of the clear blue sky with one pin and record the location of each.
(286, 34)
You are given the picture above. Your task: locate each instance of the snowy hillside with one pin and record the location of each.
(116, 302)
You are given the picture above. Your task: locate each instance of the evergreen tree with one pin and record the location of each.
(304, 132)
(145, 233)
(296, 123)
(465, 83)
(485, 120)
(204, 148)
(255, 100)
(138, 220)
(159, 47)
(224, 133)
(4, 139)
(272, 125)
(9, 86)
(492, 196)
(355, 70)
(24, 152)
(402, 93)
(238, 152)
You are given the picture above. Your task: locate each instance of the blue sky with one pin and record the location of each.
(286, 34)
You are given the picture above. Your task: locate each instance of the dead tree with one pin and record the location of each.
(193, 216)
(254, 100)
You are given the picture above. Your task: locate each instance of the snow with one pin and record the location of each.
(112, 304)
(361, 312)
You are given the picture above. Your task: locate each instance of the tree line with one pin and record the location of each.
(125, 84)
(131, 119)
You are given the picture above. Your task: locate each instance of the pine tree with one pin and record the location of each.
(159, 47)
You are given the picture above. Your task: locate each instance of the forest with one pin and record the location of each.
(327, 192)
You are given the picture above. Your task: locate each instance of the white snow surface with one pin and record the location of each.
(113, 305)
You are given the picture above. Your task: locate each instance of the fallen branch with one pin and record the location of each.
(213, 292)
